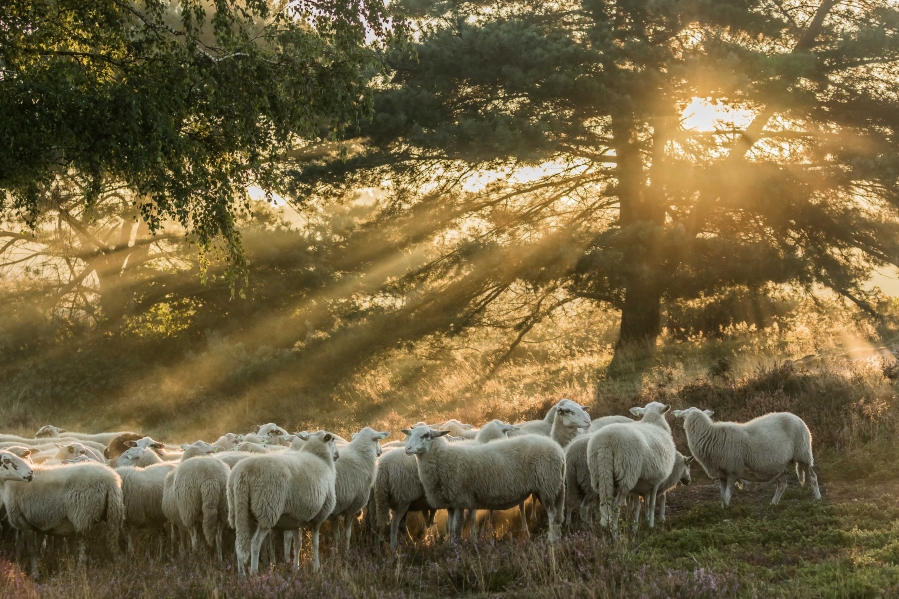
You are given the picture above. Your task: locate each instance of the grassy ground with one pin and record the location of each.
(844, 546)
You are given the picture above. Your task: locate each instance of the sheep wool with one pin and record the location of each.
(142, 496)
(494, 476)
(619, 456)
(760, 450)
(355, 475)
(287, 489)
(199, 492)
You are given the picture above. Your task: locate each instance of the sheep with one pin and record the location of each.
(356, 470)
(139, 457)
(14, 468)
(606, 420)
(398, 488)
(117, 446)
(760, 450)
(458, 429)
(255, 448)
(73, 450)
(232, 457)
(226, 441)
(286, 490)
(619, 456)
(495, 476)
(142, 495)
(198, 490)
(22, 452)
(195, 450)
(679, 474)
(66, 500)
(494, 430)
(53, 431)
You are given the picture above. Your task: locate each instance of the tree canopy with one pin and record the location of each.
(182, 105)
(542, 150)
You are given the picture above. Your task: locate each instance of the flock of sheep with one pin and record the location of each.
(62, 484)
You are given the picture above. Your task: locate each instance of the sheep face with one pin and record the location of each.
(70, 451)
(505, 427)
(420, 439)
(145, 443)
(12, 467)
(455, 427)
(573, 415)
(324, 436)
(133, 454)
(22, 452)
(651, 407)
(270, 430)
(49, 431)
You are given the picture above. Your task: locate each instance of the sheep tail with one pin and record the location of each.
(115, 513)
(382, 498)
(210, 492)
(601, 462)
(240, 515)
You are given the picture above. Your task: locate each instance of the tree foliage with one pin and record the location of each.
(182, 104)
(601, 188)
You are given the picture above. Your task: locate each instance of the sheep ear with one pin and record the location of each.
(636, 411)
(354, 435)
(406, 431)
(303, 435)
(689, 459)
(130, 443)
(216, 449)
(384, 434)
(328, 437)
(158, 445)
(62, 430)
(708, 413)
(665, 410)
(28, 452)
(434, 434)
(185, 446)
(678, 413)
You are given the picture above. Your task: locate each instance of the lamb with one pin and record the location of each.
(142, 496)
(495, 476)
(356, 470)
(65, 501)
(289, 489)
(619, 456)
(679, 474)
(139, 457)
(198, 489)
(53, 431)
(458, 429)
(760, 450)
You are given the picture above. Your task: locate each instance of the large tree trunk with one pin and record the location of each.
(641, 205)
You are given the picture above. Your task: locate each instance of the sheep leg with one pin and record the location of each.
(398, 515)
(256, 546)
(288, 543)
(335, 532)
(524, 520)
(651, 508)
(474, 525)
(316, 565)
(348, 531)
(781, 487)
(661, 503)
(637, 507)
(194, 537)
(584, 512)
(218, 541)
(726, 484)
(82, 550)
(813, 482)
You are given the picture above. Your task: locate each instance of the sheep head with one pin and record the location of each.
(420, 439)
(12, 467)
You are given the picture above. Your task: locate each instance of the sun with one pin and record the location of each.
(704, 114)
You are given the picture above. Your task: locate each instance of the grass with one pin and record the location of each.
(844, 546)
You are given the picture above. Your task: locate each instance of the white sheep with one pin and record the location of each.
(494, 476)
(493, 431)
(288, 490)
(49, 431)
(459, 429)
(73, 450)
(760, 450)
(198, 490)
(398, 489)
(544, 427)
(22, 452)
(356, 470)
(227, 441)
(620, 456)
(679, 474)
(66, 500)
(138, 457)
(142, 496)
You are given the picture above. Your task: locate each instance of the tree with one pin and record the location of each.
(181, 104)
(599, 188)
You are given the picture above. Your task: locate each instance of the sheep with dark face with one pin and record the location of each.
(760, 450)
